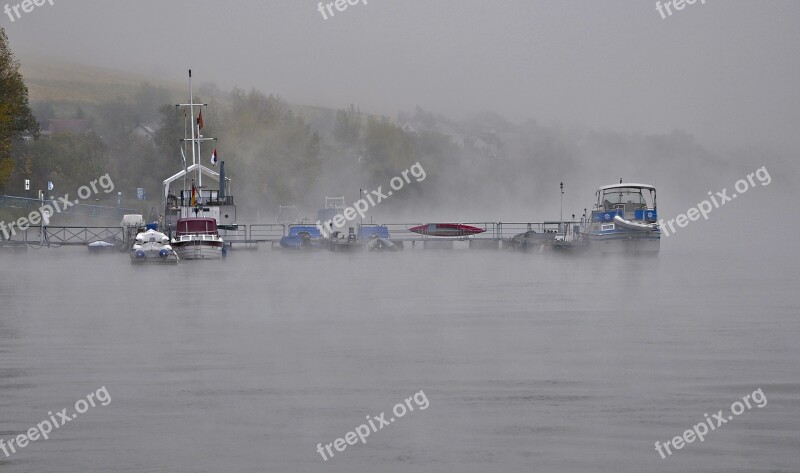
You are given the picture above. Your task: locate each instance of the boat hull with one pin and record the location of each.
(343, 245)
(383, 244)
(625, 242)
(299, 243)
(153, 254)
(532, 241)
(198, 249)
(446, 229)
(153, 258)
(101, 247)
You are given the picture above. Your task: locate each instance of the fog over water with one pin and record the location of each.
(530, 362)
(560, 364)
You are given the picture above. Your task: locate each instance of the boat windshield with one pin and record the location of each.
(627, 199)
(197, 225)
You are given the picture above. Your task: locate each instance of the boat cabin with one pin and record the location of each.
(196, 226)
(634, 202)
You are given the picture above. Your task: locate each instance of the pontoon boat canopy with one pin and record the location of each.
(625, 184)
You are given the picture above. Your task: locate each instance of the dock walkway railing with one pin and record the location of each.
(58, 235)
(89, 210)
(253, 234)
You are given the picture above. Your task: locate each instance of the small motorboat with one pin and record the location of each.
(153, 247)
(532, 241)
(339, 242)
(198, 238)
(378, 238)
(624, 220)
(446, 229)
(302, 237)
(382, 244)
(572, 245)
(101, 247)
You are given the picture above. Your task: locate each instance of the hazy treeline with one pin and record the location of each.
(480, 168)
(272, 153)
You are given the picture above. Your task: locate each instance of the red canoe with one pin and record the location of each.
(446, 229)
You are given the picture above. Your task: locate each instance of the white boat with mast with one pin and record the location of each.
(195, 217)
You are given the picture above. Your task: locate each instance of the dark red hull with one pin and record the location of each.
(446, 229)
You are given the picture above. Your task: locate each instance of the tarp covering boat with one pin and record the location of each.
(636, 226)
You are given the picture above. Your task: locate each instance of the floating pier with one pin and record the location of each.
(496, 235)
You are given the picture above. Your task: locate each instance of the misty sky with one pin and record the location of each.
(727, 71)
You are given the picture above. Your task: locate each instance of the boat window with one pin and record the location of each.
(627, 199)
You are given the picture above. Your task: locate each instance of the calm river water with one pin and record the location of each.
(529, 362)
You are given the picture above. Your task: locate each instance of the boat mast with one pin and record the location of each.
(195, 137)
(191, 112)
(183, 155)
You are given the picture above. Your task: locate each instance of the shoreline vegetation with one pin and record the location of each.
(95, 121)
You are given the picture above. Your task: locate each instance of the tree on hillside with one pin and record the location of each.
(16, 117)
(389, 149)
(137, 163)
(43, 111)
(115, 120)
(69, 160)
(170, 130)
(147, 102)
(347, 128)
(278, 151)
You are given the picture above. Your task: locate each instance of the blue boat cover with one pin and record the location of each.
(650, 215)
(312, 230)
(367, 231)
(607, 216)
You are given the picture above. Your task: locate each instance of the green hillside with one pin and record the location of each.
(53, 81)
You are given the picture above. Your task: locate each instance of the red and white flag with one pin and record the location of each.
(214, 157)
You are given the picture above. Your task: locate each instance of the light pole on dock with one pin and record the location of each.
(561, 215)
